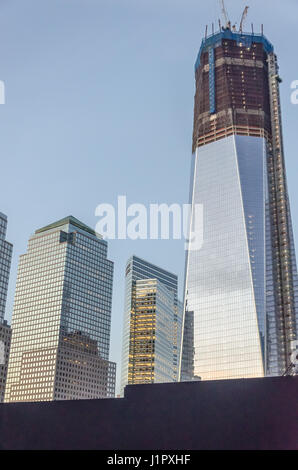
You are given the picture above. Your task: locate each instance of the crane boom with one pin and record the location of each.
(244, 15)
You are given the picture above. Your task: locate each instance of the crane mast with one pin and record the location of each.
(227, 20)
(225, 14)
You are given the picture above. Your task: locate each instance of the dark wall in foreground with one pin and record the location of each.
(240, 414)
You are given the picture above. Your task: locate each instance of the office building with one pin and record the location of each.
(187, 358)
(241, 286)
(151, 340)
(152, 325)
(5, 337)
(5, 262)
(62, 317)
(177, 337)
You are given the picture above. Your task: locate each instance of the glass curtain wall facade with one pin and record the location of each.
(152, 331)
(5, 262)
(177, 337)
(240, 315)
(62, 316)
(138, 269)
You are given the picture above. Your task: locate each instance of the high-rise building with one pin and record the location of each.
(5, 262)
(152, 325)
(241, 286)
(151, 340)
(177, 337)
(187, 358)
(5, 337)
(62, 317)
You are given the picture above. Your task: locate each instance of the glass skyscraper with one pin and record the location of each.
(62, 317)
(151, 338)
(241, 287)
(5, 262)
(152, 325)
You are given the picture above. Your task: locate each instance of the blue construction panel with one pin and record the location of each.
(247, 38)
(212, 81)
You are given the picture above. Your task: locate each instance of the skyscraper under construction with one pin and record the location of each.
(241, 290)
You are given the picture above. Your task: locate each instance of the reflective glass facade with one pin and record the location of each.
(138, 269)
(152, 332)
(225, 278)
(5, 262)
(62, 316)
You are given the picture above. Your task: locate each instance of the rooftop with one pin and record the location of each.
(69, 220)
(214, 40)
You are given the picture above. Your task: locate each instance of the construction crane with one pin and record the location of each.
(225, 14)
(290, 371)
(293, 367)
(244, 15)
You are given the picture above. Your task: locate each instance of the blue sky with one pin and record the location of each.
(99, 103)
